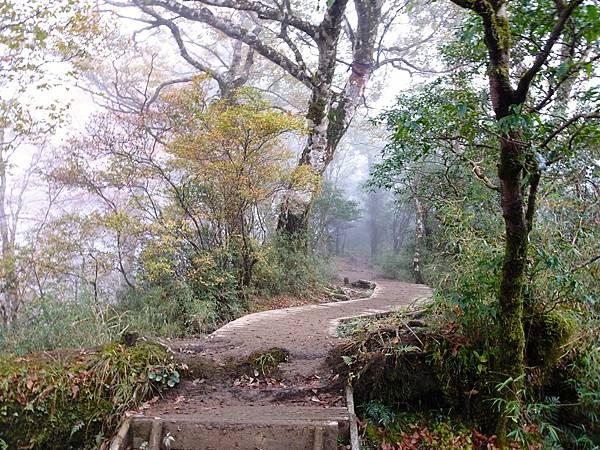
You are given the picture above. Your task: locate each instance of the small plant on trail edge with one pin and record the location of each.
(266, 362)
(165, 375)
(380, 413)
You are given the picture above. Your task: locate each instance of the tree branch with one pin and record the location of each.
(163, 85)
(230, 29)
(477, 171)
(264, 12)
(542, 56)
(568, 123)
(585, 264)
(160, 21)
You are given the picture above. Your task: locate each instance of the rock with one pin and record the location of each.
(129, 338)
(364, 284)
(346, 281)
(342, 297)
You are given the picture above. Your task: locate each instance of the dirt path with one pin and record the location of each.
(308, 333)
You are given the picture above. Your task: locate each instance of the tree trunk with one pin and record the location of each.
(373, 208)
(510, 319)
(419, 236)
(330, 115)
(400, 225)
(293, 217)
(518, 214)
(9, 305)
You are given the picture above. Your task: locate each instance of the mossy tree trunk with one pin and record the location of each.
(330, 114)
(518, 213)
(510, 319)
(419, 237)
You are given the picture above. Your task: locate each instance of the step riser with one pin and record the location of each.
(202, 436)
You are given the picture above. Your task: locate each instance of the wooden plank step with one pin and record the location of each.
(244, 428)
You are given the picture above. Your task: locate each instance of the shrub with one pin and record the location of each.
(48, 323)
(281, 268)
(157, 309)
(183, 292)
(399, 362)
(70, 399)
(396, 265)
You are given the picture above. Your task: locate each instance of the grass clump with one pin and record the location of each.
(70, 399)
(267, 361)
(61, 323)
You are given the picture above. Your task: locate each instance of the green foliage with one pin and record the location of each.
(348, 327)
(396, 265)
(71, 399)
(282, 267)
(578, 418)
(158, 309)
(176, 253)
(443, 365)
(332, 215)
(185, 292)
(48, 323)
(379, 413)
(444, 132)
(164, 375)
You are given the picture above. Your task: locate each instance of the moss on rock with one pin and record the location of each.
(422, 368)
(546, 333)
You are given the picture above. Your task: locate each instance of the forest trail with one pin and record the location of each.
(302, 386)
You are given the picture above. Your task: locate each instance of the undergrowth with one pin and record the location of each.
(282, 268)
(169, 300)
(422, 362)
(396, 265)
(386, 429)
(61, 324)
(70, 399)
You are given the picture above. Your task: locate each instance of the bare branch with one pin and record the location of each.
(164, 85)
(264, 12)
(230, 29)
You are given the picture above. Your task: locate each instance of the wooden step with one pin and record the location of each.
(243, 428)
